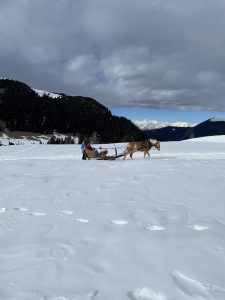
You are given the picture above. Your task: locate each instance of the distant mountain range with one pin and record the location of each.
(213, 126)
(25, 109)
(153, 124)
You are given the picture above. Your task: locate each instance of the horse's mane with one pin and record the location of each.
(153, 141)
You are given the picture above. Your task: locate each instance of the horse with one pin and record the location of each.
(144, 146)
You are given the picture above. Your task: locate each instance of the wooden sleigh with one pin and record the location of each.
(94, 154)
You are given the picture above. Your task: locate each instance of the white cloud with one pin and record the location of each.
(81, 70)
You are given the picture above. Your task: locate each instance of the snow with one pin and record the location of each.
(5, 139)
(141, 229)
(24, 140)
(217, 120)
(51, 95)
(209, 139)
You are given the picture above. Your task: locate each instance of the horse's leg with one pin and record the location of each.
(131, 155)
(125, 154)
(145, 152)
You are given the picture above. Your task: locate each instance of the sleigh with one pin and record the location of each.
(94, 154)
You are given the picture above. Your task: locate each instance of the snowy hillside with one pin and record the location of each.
(51, 95)
(6, 139)
(29, 138)
(138, 229)
(153, 124)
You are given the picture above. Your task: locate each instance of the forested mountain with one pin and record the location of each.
(168, 133)
(213, 126)
(23, 109)
(210, 127)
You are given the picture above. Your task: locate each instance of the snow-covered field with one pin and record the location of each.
(138, 229)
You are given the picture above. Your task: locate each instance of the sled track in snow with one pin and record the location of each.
(170, 156)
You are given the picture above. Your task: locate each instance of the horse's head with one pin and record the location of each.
(155, 143)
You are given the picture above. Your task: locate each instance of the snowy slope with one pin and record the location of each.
(5, 139)
(138, 229)
(51, 95)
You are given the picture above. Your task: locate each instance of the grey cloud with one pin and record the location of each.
(130, 53)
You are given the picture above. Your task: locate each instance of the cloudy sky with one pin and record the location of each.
(145, 54)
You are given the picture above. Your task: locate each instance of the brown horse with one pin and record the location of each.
(144, 146)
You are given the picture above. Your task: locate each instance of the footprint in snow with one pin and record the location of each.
(37, 214)
(118, 222)
(194, 288)
(3, 210)
(154, 227)
(62, 251)
(81, 220)
(20, 208)
(90, 296)
(101, 188)
(146, 294)
(198, 227)
(65, 212)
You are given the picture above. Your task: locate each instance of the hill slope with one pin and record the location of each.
(23, 109)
